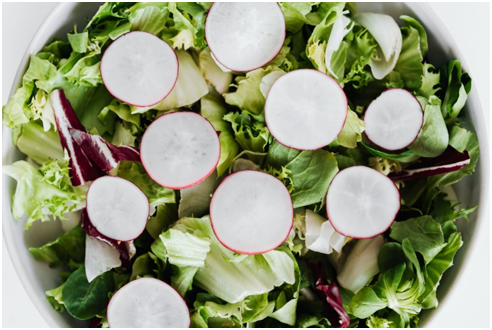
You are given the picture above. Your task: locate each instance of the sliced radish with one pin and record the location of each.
(361, 202)
(449, 161)
(147, 303)
(394, 119)
(103, 153)
(180, 149)
(245, 36)
(139, 68)
(305, 109)
(117, 208)
(82, 169)
(251, 212)
(99, 258)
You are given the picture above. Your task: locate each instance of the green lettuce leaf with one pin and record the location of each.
(297, 14)
(40, 192)
(409, 64)
(55, 297)
(66, 250)
(213, 109)
(38, 144)
(148, 16)
(250, 133)
(456, 84)
(312, 172)
(424, 233)
(352, 131)
(433, 138)
(225, 274)
(135, 172)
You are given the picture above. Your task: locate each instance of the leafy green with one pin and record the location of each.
(457, 85)
(83, 300)
(37, 144)
(135, 172)
(165, 215)
(42, 190)
(213, 109)
(148, 16)
(352, 131)
(297, 14)
(424, 233)
(312, 172)
(250, 133)
(66, 250)
(224, 275)
(55, 297)
(433, 137)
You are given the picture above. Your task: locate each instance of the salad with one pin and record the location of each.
(243, 165)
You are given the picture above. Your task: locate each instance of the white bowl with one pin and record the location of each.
(37, 277)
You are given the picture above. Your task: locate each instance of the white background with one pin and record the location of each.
(469, 24)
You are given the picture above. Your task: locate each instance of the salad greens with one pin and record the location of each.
(381, 282)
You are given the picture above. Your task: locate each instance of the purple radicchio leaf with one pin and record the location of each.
(104, 154)
(82, 169)
(330, 295)
(449, 161)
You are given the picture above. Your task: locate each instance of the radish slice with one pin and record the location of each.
(117, 208)
(180, 149)
(245, 36)
(305, 109)
(394, 119)
(147, 303)
(251, 212)
(361, 202)
(82, 169)
(139, 68)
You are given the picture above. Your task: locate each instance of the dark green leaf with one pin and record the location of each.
(83, 300)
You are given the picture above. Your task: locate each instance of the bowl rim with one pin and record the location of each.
(425, 13)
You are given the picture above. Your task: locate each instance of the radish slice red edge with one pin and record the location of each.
(305, 109)
(180, 149)
(251, 212)
(361, 202)
(449, 161)
(91, 231)
(147, 303)
(117, 208)
(393, 120)
(82, 169)
(139, 68)
(104, 154)
(245, 36)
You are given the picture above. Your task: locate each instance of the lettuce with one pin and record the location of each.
(43, 192)
(226, 275)
(213, 109)
(66, 250)
(312, 172)
(251, 134)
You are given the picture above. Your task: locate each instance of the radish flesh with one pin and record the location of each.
(245, 36)
(139, 68)
(305, 109)
(180, 149)
(251, 212)
(147, 303)
(361, 202)
(394, 119)
(104, 154)
(82, 169)
(117, 208)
